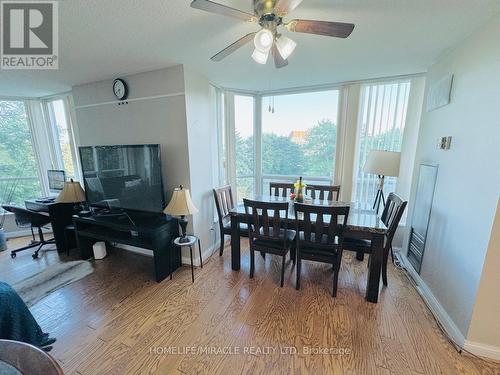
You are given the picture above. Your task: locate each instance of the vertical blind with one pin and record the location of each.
(382, 119)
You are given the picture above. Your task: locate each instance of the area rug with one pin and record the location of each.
(41, 284)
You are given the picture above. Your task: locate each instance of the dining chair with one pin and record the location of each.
(280, 189)
(267, 231)
(224, 202)
(320, 236)
(391, 216)
(323, 192)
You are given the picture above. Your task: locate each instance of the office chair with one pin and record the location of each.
(30, 219)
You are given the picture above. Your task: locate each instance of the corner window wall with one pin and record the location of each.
(19, 178)
(324, 136)
(299, 137)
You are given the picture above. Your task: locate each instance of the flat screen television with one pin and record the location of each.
(123, 177)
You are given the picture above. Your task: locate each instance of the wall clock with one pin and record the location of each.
(120, 89)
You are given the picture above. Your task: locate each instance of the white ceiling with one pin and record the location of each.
(101, 39)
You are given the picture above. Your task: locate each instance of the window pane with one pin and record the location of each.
(18, 166)
(244, 145)
(382, 125)
(62, 136)
(299, 134)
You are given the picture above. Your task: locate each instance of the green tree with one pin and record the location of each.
(17, 159)
(281, 156)
(319, 148)
(244, 165)
(244, 155)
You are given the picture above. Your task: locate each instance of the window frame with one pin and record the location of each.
(259, 176)
(43, 137)
(54, 147)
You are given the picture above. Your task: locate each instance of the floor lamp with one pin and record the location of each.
(382, 163)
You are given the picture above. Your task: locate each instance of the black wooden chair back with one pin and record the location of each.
(280, 189)
(391, 216)
(323, 192)
(320, 225)
(224, 202)
(266, 220)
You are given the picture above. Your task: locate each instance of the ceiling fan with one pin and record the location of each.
(269, 15)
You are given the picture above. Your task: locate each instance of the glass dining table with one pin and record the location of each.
(361, 224)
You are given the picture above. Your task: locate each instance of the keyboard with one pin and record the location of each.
(45, 200)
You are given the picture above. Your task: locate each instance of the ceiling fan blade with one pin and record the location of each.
(210, 6)
(279, 62)
(336, 29)
(283, 7)
(233, 47)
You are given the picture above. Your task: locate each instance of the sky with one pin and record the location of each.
(291, 112)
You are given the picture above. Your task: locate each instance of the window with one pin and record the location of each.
(299, 137)
(63, 142)
(244, 145)
(19, 179)
(382, 119)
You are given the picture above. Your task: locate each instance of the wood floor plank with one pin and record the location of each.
(111, 321)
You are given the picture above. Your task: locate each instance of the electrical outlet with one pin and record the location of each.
(444, 143)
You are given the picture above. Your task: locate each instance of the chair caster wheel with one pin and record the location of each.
(34, 256)
(13, 255)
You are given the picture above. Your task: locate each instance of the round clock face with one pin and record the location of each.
(120, 89)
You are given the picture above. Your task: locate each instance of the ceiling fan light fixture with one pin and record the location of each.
(260, 57)
(263, 40)
(285, 46)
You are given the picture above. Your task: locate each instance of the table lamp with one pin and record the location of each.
(72, 192)
(382, 163)
(181, 205)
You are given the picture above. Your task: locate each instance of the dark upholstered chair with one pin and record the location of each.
(323, 192)
(320, 236)
(30, 219)
(280, 189)
(391, 216)
(267, 231)
(224, 203)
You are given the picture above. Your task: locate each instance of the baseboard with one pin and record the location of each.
(24, 233)
(432, 302)
(205, 253)
(483, 350)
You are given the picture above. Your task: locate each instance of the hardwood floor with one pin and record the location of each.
(120, 321)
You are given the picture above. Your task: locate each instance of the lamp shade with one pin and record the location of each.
(181, 203)
(72, 192)
(383, 163)
(285, 46)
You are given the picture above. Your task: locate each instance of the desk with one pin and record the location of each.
(362, 224)
(60, 216)
(151, 231)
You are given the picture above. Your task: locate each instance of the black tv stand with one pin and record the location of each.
(148, 230)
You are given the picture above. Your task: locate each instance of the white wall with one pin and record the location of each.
(202, 136)
(170, 107)
(468, 180)
(485, 323)
(156, 118)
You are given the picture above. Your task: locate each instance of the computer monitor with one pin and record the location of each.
(56, 180)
